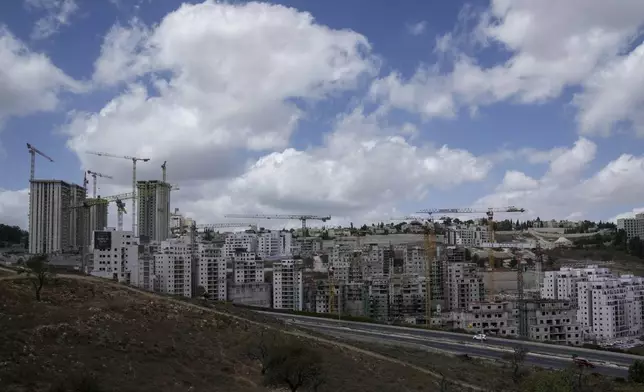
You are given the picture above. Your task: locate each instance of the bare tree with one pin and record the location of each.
(38, 272)
(295, 366)
(260, 349)
(516, 359)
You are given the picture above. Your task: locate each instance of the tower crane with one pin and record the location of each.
(134, 160)
(301, 217)
(116, 199)
(94, 175)
(163, 170)
(33, 151)
(490, 215)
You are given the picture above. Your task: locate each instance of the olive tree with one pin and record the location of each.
(38, 272)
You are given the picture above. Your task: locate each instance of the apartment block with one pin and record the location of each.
(378, 297)
(407, 296)
(173, 267)
(471, 235)
(288, 285)
(247, 268)
(494, 318)
(96, 218)
(274, 243)
(55, 224)
(240, 242)
(463, 286)
(563, 284)
(634, 227)
(116, 256)
(212, 271)
(153, 209)
(554, 321)
(306, 246)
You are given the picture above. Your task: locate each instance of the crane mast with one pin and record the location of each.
(94, 175)
(134, 160)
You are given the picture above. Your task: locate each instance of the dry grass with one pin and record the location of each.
(126, 341)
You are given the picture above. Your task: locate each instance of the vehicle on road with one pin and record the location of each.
(581, 362)
(480, 336)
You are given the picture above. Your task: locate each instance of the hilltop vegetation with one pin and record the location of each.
(12, 235)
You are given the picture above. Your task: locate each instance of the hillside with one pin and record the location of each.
(115, 339)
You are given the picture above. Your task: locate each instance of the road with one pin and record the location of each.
(540, 354)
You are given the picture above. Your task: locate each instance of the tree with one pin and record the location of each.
(516, 359)
(38, 272)
(261, 348)
(295, 366)
(202, 292)
(636, 372)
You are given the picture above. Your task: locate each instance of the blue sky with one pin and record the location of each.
(362, 109)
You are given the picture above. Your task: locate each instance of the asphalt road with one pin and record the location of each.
(543, 355)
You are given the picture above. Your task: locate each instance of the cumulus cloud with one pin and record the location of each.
(563, 191)
(211, 82)
(552, 45)
(29, 81)
(417, 28)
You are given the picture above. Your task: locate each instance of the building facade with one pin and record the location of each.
(56, 223)
(153, 209)
(288, 285)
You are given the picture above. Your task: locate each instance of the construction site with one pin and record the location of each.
(426, 269)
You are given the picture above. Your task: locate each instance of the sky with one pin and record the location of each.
(364, 110)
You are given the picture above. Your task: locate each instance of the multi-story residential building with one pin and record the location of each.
(56, 224)
(463, 286)
(288, 285)
(414, 260)
(274, 243)
(306, 246)
(212, 271)
(553, 321)
(240, 242)
(173, 267)
(378, 291)
(407, 296)
(472, 235)
(634, 227)
(116, 256)
(247, 267)
(495, 318)
(177, 220)
(153, 209)
(608, 307)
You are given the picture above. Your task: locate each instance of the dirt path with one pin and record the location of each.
(292, 333)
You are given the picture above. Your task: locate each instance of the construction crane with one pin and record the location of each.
(213, 226)
(302, 217)
(134, 160)
(163, 167)
(490, 215)
(33, 151)
(94, 175)
(116, 199)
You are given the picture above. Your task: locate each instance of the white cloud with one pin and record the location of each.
(564, 188)
(224, 81)
(29, 82)
(14, 207)
(417, 28)
(57, 14)
(553, 45)
(630, 214)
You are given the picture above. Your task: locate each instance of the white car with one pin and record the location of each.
(480, 336)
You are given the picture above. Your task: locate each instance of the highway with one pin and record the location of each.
(540, 354)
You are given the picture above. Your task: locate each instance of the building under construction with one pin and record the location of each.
(153, 209)
(96, 217)
(56, 224)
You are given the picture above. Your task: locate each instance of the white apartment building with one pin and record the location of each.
(288, 290)
(274, 243)
(212, 271)
(472, 235)
(54, 225)
(176, 219)
(240, 242)
(173, 267)
(116, 256)
(611, 308)
(608, 307)
(634, 227)
(153, 209)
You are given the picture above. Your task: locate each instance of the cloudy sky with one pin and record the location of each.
(362, 109)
